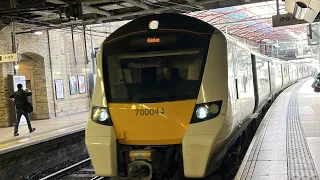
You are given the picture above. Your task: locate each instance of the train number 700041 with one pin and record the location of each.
(149, 112)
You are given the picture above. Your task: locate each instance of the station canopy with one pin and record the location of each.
(63, 13)
(248, 19)
(253, 22)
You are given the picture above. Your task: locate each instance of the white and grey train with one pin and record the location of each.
(173, 94)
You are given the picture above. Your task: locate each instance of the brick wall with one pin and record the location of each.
(5, 47)
(62, 66)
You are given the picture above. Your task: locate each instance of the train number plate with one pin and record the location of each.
(149, 112)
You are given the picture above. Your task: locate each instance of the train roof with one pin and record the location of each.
(166, 21)
(250, 49)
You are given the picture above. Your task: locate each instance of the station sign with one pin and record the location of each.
(5, 58)
(285, 20)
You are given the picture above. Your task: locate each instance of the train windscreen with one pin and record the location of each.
(157, 76)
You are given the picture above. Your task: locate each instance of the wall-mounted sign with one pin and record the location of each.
(285, 20)
(82, 84)
(5, 58)
(59, 88)
(73, 84)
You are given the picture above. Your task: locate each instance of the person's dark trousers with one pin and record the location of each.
(19, 114)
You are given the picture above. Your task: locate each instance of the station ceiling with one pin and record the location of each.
(252, 21)
(54, 14)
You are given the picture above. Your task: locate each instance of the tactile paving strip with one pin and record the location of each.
(299, 159)
(260, 134)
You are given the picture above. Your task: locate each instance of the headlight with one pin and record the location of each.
(206, 111)
(101, 115)
(202, 112)
(214, 108)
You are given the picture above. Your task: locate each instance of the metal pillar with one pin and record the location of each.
(73, 48)
(85, 44)
(93, 53)
(278, 47)
(278, 8)
(14, 47)
(272, 50)
(319, 56)
(52, 78)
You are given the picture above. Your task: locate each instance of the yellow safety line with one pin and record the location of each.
(34, 137)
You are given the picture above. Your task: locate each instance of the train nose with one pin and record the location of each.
(151, 123)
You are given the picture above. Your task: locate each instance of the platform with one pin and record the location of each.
(287, 142)
(45, 130)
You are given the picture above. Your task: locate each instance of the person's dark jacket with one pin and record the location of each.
(21, 99)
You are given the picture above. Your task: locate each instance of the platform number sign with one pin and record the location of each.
(285, 20)
(4, 58)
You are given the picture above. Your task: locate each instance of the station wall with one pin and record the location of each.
(45, 58)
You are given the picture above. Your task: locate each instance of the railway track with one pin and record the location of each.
(82, 170)
(97, 178)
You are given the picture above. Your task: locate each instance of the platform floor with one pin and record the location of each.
(287, 142)
(45, 130)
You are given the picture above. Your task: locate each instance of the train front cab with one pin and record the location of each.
(126, 125)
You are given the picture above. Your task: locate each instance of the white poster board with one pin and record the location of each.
(73, 85)
(59, 88)
(20, 80)
(82, 84)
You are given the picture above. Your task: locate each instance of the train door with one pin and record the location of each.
(263, 80)
(272, 76)
(290, 73)
(299, 72)
(285, 74)
(245, 90)
(294, 72)
(278, 76)
(232, 82)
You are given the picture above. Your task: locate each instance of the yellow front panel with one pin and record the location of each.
(151, 123)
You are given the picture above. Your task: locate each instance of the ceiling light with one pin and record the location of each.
(154, 24)
(38, 32)
(300, 10)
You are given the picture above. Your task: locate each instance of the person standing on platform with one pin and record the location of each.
(20, 98)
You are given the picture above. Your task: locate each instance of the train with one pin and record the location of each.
(174, 95)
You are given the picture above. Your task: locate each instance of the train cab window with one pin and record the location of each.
(154, 76)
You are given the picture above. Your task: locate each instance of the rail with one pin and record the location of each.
(67, 169)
